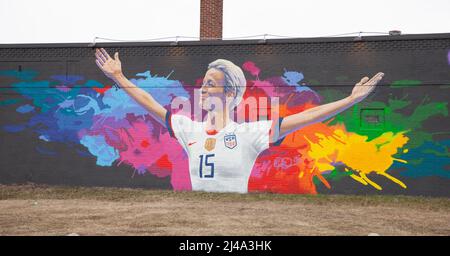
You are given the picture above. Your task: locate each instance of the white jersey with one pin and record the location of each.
(221, 162)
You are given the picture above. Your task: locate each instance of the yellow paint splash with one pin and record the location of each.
(358, 154)
(301, 175)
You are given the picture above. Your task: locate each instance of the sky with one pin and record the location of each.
(70, 21)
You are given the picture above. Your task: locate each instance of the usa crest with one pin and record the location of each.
(230, 141)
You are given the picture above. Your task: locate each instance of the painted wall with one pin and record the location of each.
(63, 122)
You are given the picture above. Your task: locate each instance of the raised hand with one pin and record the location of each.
(365, 87)
(111, 67)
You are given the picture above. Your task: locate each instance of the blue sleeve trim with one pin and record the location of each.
(169, 123)
(278, 142)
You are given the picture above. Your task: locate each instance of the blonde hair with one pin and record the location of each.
(234, 79)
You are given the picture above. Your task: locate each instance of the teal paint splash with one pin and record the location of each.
(25, 75)
(9, 102)
(430, 159)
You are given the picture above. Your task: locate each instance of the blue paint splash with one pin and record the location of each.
(66, 108)
(25, 109)
(14, 128)
(98, 147)
(161, 88)
(294, 78)
(44, 138)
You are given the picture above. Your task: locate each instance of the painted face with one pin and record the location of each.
(213, 87)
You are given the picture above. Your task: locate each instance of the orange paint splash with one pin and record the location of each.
(317, 149)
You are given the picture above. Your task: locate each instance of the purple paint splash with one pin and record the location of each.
(448, 57)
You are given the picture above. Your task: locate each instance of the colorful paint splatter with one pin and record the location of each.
(115, 130)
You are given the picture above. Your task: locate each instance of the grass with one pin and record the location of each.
(58, 210)
(35, 192)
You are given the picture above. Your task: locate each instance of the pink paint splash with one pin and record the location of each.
(145, 149)
(251, 68)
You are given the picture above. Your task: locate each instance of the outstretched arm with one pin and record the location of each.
(112, 68)
(320, 113)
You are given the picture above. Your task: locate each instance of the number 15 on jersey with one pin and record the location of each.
(208, 167)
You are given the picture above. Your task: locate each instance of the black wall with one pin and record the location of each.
(328, 64)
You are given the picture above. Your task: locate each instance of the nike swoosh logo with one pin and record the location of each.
(189, 144)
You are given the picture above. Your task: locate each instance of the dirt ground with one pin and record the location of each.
(50, 210)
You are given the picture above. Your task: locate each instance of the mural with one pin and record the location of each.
(238, 130)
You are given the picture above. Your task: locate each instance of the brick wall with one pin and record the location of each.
(43, 145)
(211, 13)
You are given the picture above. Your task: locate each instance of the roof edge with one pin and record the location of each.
(234, 42)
